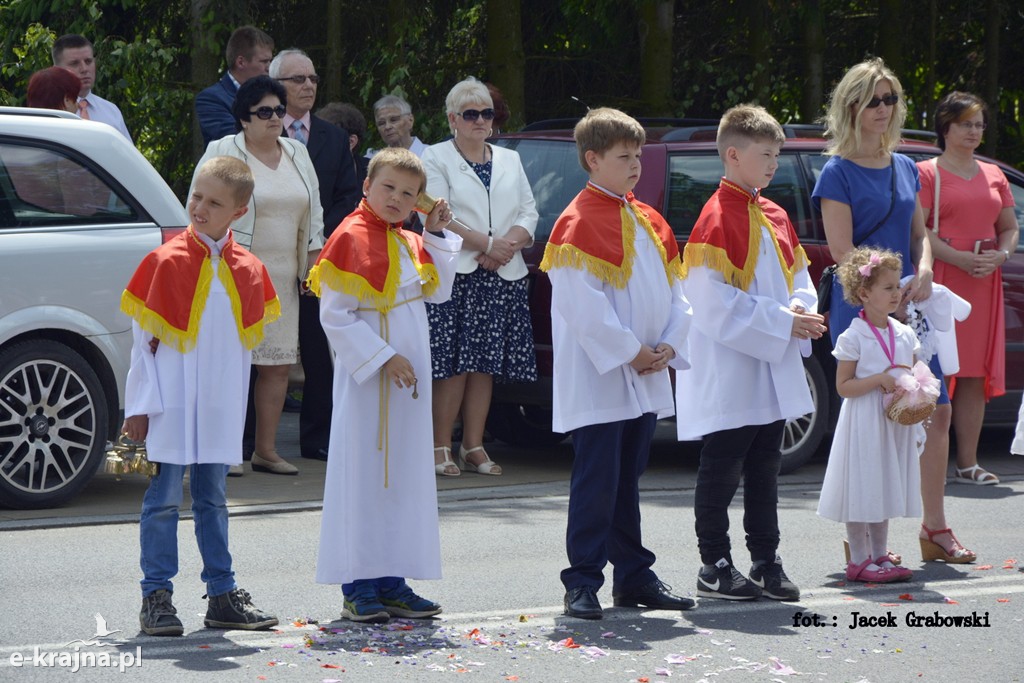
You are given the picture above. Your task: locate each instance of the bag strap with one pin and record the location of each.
(892, 203)
(935, 209)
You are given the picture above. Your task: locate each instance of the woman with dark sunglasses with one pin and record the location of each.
(868, 195)
(284, 226)
(483, 332)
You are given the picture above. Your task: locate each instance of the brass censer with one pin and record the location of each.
(129, 457)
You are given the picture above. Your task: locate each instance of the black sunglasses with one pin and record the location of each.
(888, 100)
(473, 114)
(266, 112)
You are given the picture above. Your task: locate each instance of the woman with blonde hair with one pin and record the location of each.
(483, 332)
(868, 196)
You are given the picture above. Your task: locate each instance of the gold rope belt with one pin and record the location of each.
(384, 392)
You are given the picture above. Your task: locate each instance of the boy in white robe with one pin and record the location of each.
(198, 303)
(380, 523)
(618, 321)
(746, 277)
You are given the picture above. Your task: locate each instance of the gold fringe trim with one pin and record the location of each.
(571, 256)
(250, 336)
(182, 341)
(326, 273)
(716, 258)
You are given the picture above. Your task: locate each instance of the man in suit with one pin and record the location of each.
(328, 147)
(248, 53)
(74, 53)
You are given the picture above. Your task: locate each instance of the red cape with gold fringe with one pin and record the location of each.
(167, 294)
(362, 258)
(727, 236)
(596, 233)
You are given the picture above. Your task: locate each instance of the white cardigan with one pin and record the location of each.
(509, 203)
(311, 227)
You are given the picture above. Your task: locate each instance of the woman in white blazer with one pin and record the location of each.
(284, 227)
(483, 332)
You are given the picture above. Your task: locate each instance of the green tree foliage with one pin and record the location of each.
(724, 52)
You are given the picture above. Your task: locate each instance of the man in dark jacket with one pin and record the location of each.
(339, 194)
(248, 53)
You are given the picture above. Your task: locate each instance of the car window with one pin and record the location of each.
(555, 175)
(45, 187)
(1018, 206)
(694, 178)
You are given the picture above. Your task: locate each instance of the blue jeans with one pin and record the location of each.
(158, 527)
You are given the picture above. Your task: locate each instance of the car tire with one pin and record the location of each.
(53, 422)
(522, 425)
(803, 435)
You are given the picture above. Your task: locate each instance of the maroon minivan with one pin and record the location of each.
(681, 170)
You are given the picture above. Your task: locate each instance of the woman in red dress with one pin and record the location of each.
(977, 233)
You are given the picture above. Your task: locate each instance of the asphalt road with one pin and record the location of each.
(503, 549)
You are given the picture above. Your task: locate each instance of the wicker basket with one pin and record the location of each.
(901, 413)
(898, 406)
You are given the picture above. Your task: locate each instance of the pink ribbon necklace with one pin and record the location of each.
(890, 350)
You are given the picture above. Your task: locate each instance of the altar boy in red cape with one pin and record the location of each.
(380, 524)
(618, 321)
(198, 305)
(746, 276)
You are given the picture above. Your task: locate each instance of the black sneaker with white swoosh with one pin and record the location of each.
(723, 580)
(773, 581)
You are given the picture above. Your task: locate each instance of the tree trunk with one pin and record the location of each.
(813, 97)
(891, 35)
(759, 35)
(928, 101)
(506, 61)
(656, 24)
(991, 95)
(206, 61)
(335, 60)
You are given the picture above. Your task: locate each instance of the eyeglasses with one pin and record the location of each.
(474, 114)
(299, 80)
(266, 112)
(888, 100)
(968, 125)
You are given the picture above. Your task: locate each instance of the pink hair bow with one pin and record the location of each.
(873, 260)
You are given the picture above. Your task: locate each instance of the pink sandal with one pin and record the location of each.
(860, 572)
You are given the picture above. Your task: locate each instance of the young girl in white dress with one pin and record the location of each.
(873, 473)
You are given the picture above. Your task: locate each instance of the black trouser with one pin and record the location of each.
(752, 452)
(317, 366)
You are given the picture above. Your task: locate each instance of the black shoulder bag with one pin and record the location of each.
(828, 275)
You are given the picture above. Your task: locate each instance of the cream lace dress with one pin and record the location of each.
(281, 205)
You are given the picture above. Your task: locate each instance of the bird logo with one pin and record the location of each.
(101, 632)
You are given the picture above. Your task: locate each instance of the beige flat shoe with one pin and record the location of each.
(235, 470)
(270, 467)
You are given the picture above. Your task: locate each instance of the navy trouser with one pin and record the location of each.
(752, 452)
(604, 505)
(318, 368)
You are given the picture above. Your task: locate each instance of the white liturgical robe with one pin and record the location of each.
(381, 435)
(598, 329)
(746, 364)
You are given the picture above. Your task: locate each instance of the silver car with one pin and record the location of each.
(79, 208)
